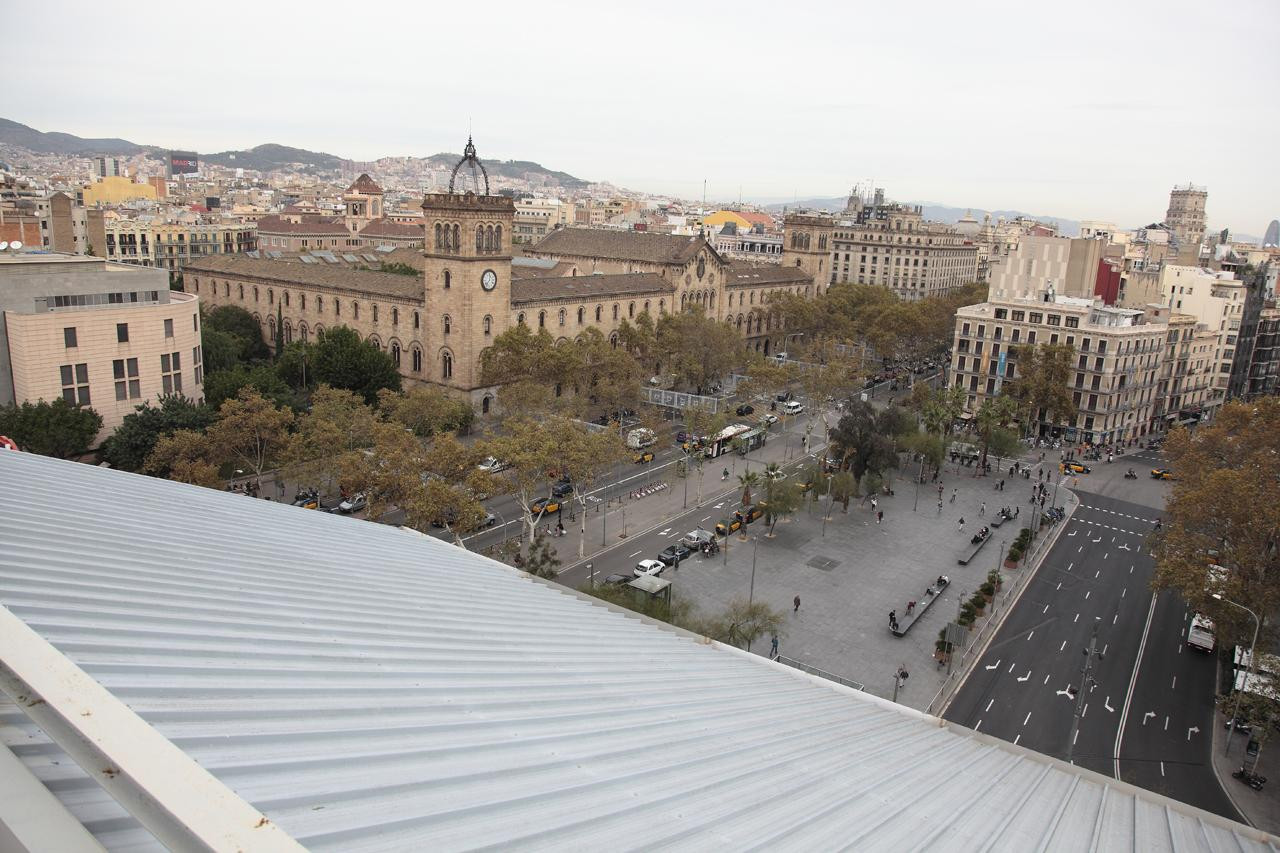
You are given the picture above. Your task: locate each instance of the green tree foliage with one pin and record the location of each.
(398, 268)
(1225, 511)
(250, 432)
(1042, 389)
(679, 611)
(991, 422)
(782, 498)
(236, 321)
(696, 348)
(264, 378)
(741, 624)
(128, 447)
(220, 350)
(541, 561)
(187, 457)
(340, 359)
(51, 429)
(864, 441)
(337, 424)
(843, 488)
(427, 411)
(747, 480)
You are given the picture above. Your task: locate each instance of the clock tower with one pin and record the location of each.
(467, 275)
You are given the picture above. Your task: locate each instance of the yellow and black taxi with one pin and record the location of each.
(544, 505)
(728, 525)
(1161, 474)
(750, 512)
(644, 457)
(1074, 468)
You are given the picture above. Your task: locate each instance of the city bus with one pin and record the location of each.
(722, 442)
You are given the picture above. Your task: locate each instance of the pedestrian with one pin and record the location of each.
(879, 516)
(280, 483)
(893, 616)
(797, 605)
(960, 526)
(982, 510)
(1075, 481)
(773, 648)
(1016, 510)
(953, 495)
(939, 506)
(939, 490)
(873, 504)
(911, 606)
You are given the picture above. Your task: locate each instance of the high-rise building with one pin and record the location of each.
(107, 167)
(1273, 234)
(1186, 215)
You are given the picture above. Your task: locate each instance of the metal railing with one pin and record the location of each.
(821, 673)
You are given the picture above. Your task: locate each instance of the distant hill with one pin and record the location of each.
(938, 212)
(13, 133)
(524, 170)
(265, 158)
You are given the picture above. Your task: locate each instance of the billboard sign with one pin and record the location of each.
(183, 163)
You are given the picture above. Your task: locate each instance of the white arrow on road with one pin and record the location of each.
(1066, 693)
(995, 665)
(1026, 677)
(1124, 548)
(1073, 533)
(1106, 703)
(664, 532)
(1195, 729)
(1146, 715)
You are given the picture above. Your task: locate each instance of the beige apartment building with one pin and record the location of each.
(98, 334)
(1117, 359)
(891, 245)
(171, 245)
(535, 218)
(1036, 262)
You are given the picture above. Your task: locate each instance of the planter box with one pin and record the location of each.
(1011, 564)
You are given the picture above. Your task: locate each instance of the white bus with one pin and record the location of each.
(1200, 634)
(722, 442)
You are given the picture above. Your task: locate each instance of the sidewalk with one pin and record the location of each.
(1260, 809)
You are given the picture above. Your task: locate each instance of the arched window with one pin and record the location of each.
(599, 313)
(302, 301)
(446, 365)
(457, 240)
(562, 316)
(438, 245)
(417, 360)
(395, 316)
(271, 329)
(416, 320)
(711, 299)
(448, 324)
(255, 293)
(615, 310)
(319, 304)
(479, 238)
(488, 239)
(375, 312)
(355, 309)
(271, 296)
(542, 319)
(286, 299)
(559, 389)
(646, 306)
(447, 279)
(337, 308)
(497, 239)
(488, 323)
(753, 297)
(683, 298)
(662, 306)
(242, 292)
(582, 315)
(613, 340)
(520, 318)
(485, 404)
(631, 309)
(226, 288)
(302, 332)
(395, 353)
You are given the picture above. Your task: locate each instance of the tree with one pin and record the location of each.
(337, 424)
(542, 561)
(701, 423)
(532, 447)
(264, 378)
(782, 498)
(926, 447)
(427, 411)
(863, 442)
(128, 447)
(340, 359)
(993, 415)
(697, 349)
(250, 431)
(601, 374)
(676, 610)
(747, 479)
(1042, 388)
(1003, 443)
(586, 456)
(185, 456)
(742, 624)
(220, 350)
(829, 376)
(521, 355)
(236, 321)
(51, 429)
(843, 488)
(1225, 511)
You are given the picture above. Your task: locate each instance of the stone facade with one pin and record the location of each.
(891, 245)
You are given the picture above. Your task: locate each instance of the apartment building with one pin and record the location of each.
(1070, 265)
(106, 335)
(1116, 359)
(171, 246)
(535, 218)
(891, 245)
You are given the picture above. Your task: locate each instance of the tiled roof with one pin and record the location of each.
(553, 269)
(364, 184)
(322, 275)
(619, 245)
(327, 226)
(755, 218)
(745, 274)
(586, 287)
(368, 688)
(387, 228)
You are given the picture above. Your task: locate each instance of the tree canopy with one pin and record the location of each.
(51, 429)
(128, 447)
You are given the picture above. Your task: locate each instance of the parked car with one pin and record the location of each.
(728, 525)
(307, 500)
(696, 538)
(749, 513)
(617, 580)
(768, 419)
(489, 520)
(785, 396)
(792, 407)
(562, 489)
(545, 505)
(649, 567)
(644, 457)
(745, 409)
(492, 465)
(1161, 474)
(674, 553)
(355, 503)
(1074, 468)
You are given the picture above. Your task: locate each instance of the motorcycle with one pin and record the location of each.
(1130, 475)
(1253, 780)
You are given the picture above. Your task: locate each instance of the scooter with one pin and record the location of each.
(1130, 475)
(1253, 780)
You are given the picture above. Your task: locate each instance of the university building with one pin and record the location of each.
(472, 289)
(364, 222)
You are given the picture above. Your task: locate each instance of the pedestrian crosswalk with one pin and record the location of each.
(1117, 514)
(1103, 525)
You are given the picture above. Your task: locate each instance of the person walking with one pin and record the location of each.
(796, 609)
(939, 506)
(960, 526)
(953, 494)
(879, 516)
(773, 648)
(893, 617)
(982, 510)
(873, 504)
(939, 491)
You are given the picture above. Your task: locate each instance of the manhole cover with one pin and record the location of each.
(826, 564)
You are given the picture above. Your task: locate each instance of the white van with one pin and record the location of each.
(1200, 634)
(640, 437)
(792, 407)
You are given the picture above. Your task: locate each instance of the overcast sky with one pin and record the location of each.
(1086, 110)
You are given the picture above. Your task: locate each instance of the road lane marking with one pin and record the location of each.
(1015, 740)
(1098, 572)
(1063, 646)
(1077, 619)
(1106, 703)
(1011, 666)
(1046, 610)
(1029, 636)
(989, 704)
(1046, 679)
(1133, 681)
(1086, 594)
(1059, 586)
(1161, 768)
(1066, 693)
(978, 726)
(1084, 710)
(1075, 738)
(1028, 717)
(995, 665)
(1081, 548)
(1106, 554)
(1104, 650)
(1193, 729)
(1146, 715)
(1174, 686)
(1026, 677)
(1166, 724)
(706, 518)
(1069, 565)
(1123, 591)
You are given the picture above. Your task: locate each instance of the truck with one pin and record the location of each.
(640, 437)
(1200, 634)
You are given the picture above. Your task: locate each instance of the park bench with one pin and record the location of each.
(972, 548)
(931, 594)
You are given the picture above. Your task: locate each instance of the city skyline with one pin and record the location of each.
(759, 105)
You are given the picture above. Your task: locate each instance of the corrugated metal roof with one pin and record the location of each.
(371, 690)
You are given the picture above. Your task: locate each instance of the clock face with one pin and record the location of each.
(489, 280)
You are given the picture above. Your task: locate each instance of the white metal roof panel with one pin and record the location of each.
(368, 690)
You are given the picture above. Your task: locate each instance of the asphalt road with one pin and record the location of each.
(1147, 684)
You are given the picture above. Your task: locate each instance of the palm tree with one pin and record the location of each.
(747, 480)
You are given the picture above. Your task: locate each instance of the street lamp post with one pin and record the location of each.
(1235, 714)
(751, 592)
